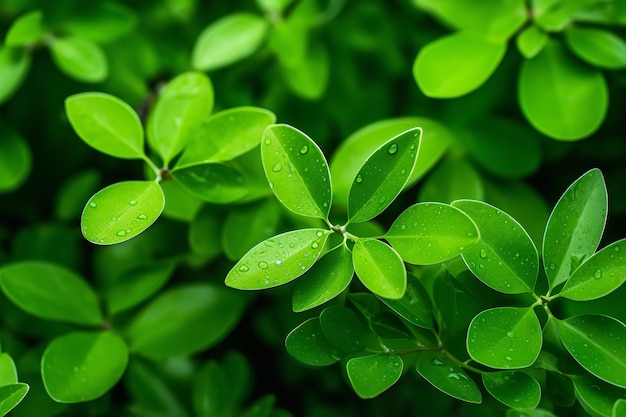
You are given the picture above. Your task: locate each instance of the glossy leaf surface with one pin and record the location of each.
(514, 389)
(448, 377)
(374, 374)
(8, 373)
(15, 159)
(598, 47)
(83, 366)
(343, 330)
(531, 41)
(212, 182)
(575, 226)
(51, 292)
(380, 268)
(383, 176)
(308, 344)
(428, 233)
(505, 337)
(107, 124)
(80, 59)
(11, 395)
(278, 260)
(415, 306)
(456, 64)
(121, 211)
(596, 397)
(297, 171)
(14, 66)
(505, 257)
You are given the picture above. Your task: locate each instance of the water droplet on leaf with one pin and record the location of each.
(315, 245)
(359, 179)
(93, 205)
(121, 233)
(597, 274)
(392, 149)
(263, 265)
(510, 334)
(132, 202)
(277, 167)
(382, 200)
(483, 253)
(142, 217)
(319, 234)
(244, 268)
(508, 358)
(278, 262)
(304, 150)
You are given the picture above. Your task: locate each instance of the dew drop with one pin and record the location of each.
(436, 362)
(382, 199)
(304, 150)
(508, 358)
(412, 147)
(319, 234)
(597, 274)
(510, 334)
(277, 167)
(315, 245)
(359, 179)
(268, 141)
(278, 262)
(483, 253)
(616, 249)
(244, 268)
(553, 266)
(142, 217)
(392, 149)
(121, 233)
(94, 205)
(263, 265)
(132, 202)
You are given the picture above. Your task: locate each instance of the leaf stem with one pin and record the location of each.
(157, 171)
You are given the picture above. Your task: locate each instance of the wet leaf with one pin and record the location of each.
(448, 377)
(374, 374)
(514, 389)
(380, 268)
(11, 395)
(307, 344)
(212, 182)
(415, 306)
(343, 330)
(596, 397)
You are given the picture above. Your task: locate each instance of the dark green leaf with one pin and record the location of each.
(448, 377)
(343, 330)
(205, 232)
(15, 159)
(149, 391)
(429, 233)
(374, 374)
(262, 407)
(455, 302)
(619, 408)
(8, 373)
(380, 268)
(27, 29)
(415, 306)
(575, 226)
(453, 179)
(297, 171)
(11, 396)
(73, 192)
(531, 41)
(383, 176)
(388, 326)
(307, 344)
(121, 211)
(598, 47)
(83, 366)
(80, 59)
(51, 292)
(14, 65)
(247, 225)
(595, 397)
(101, 21)
(513, 388)
(212, 182)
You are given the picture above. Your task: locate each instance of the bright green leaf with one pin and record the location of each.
(505, 257)
(456, 64)
(560, 96)
(26, 29)
(14, 65)
(80, 59)
(514, 389)
(51, 292)
(15, 159)
(184, 104)
(505, 337)
(448, 377)
(595, 397)
(309, 77)
(297, 171)
(575, 226)
(383, 176)
(380, 268)
(11, 396)
(278, 260)
(307, 344)
(429, 233)
(212, 182)
(596, 342)
(374, 374)
(180, 204)
(121, 211)
(531, 41)
(8, 373)
(185, 320)
(598, 47)
(228, 40)
(329, 277)
(415, 306)
(289, 39)
(82, 366)
(343, 330)
(107, 124)
(453, 179)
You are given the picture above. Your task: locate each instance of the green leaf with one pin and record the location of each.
(513, 388)
(619, 408)
(50, 292)
(537, 412)
(8, 373)
(14, 66)
(343, 330)
(596, 342)
(380, 268)
(15, 159)
(226, 135)
(27, 29)
(505, 338)
(505, 257)
(415, 306)
(371, 375)
(212, 182)
(599, 275)
(180, 204)
(329, 277)
(595, 397)
(80, 59)
(575, 226)
(560, 96)
(205, 230)
(383, 176)
(307, 344)
(453, 179)
(228, 40)
(309, 77)
(183, 321)
(247, 225)
(121, 211)
(183, 105)
(531, 41)
(83, 366)
(150, 393)
(278, 260)
(107, 124)
(598, 47)
(297, 171)
(456, 64)
(71, 195)
(101, 21)
(11, 396)
(429, 233)
(448, 377)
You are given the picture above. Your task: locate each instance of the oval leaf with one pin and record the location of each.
(596, 342)
(374, 374)
(307, 344)
(15, 159)
(329, 277)
(505, 337)
(597, 398)
(278, 260)
(8, 373)
(204, 315)
(212, 182)
(531, 41)
(27, 29)
(429, 233)
(343, 329)
(575, 226)
(50, 292)
(11, 396)
(228, 40)
(513, 388)
(452, 179)
(379, 268)
(107, 124)
(297, 171)
(448, 377)
(456, 64)
(415, 306)
(560, 96)
(14, 66)
(383, 176)
(598, 47)
(121, 211)
(83, 366)
(505, 257)
(308, 78)
(80, 59)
